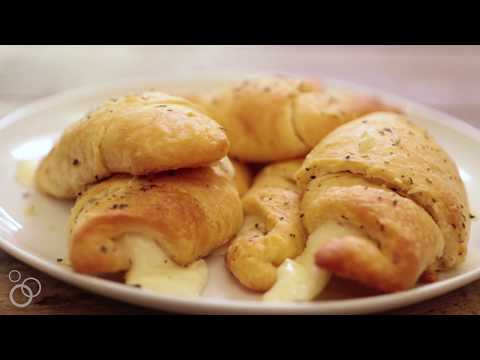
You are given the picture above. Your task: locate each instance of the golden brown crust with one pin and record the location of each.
(272, 231)
(189, 212)
(400, 240)
(318, 113)
(243, 177)
(389, 149)
(138, 135)
(274, 119)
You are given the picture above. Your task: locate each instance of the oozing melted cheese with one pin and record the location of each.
(301, 279)
(152, 269)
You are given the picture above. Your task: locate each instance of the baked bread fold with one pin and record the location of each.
(387, 177)
(279, 118)
(272, 230)
(188, 212)
(243, 177)
(396, 240)
(137, 135)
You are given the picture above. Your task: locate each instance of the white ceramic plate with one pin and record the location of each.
(40, 238)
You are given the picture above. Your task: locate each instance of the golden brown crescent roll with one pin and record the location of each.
(138, 135)
(272, 230)
(386, 177)
(398, 240)
(188, 212)
(243, 177)
(273, 119)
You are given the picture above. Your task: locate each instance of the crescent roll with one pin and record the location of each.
(274, 119)
(400, 192)
(272, 230)
(138, 135)
(188, 212)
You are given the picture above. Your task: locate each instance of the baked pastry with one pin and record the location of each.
(399, 193)
(138, 135)
(272, 230)
(243, 177)
(187, 212)
(274, 119)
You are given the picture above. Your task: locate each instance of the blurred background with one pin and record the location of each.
(445, 77)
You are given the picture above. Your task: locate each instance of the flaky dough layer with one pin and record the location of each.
(138, 135)
(189, 213)
(400, 240)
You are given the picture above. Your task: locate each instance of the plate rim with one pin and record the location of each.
(146, 298)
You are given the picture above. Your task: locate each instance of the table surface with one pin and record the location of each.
(444, 77)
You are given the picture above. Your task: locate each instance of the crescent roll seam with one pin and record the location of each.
(379, 181)
(294, 121)
(100, 146)
(373, 181)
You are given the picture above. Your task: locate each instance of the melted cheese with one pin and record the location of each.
(25, 172)
(152, 269)
(301, 279)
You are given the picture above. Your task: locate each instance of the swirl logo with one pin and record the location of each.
(15, 276)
